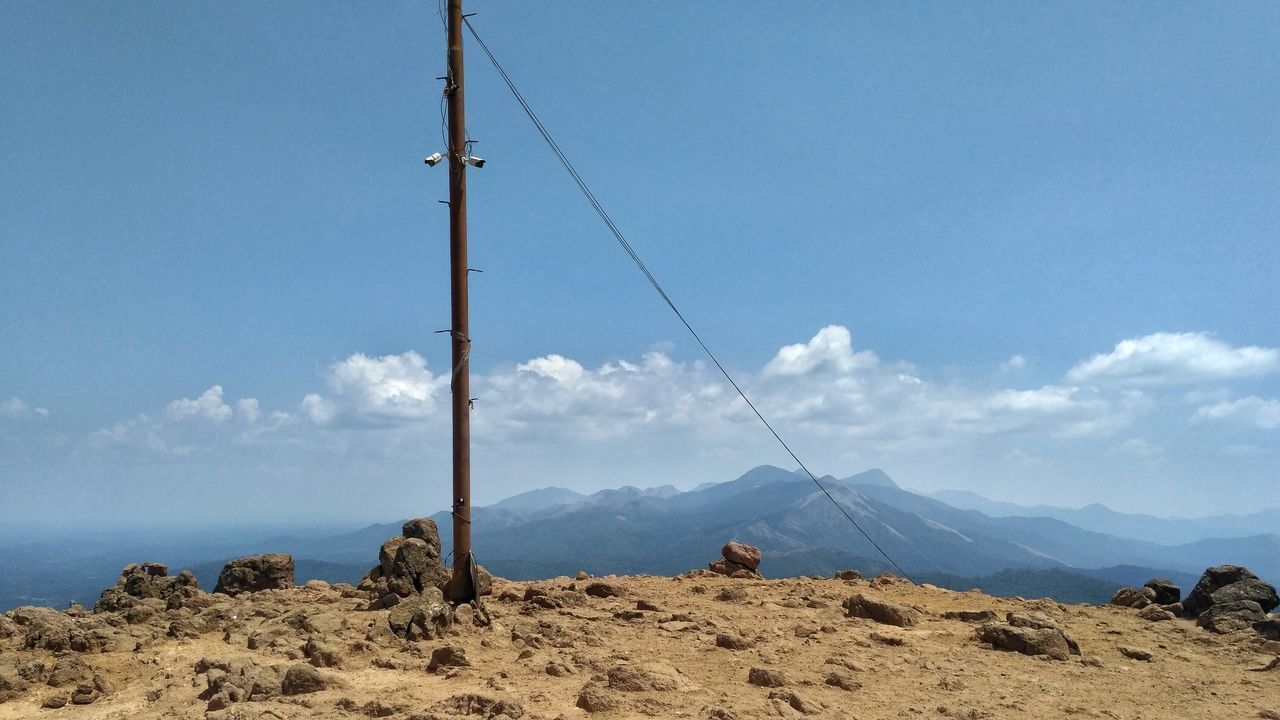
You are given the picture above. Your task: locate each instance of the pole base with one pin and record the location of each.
(464, 586)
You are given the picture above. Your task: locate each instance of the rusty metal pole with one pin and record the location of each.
(462, 587)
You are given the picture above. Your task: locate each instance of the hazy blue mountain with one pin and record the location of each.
(553, 531)
(873, 477)
(539, 499)
(1075, 547)
(1100, 518)
(1135, 576)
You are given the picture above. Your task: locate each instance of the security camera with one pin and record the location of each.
(475, 161)
(433, 158)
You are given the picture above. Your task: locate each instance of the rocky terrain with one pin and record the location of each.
(700, 645)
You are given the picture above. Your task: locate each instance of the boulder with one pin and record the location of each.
(642, 678)
(1231, 616)
(272, 571)
(148, 581)
(982, 616)
(1025, 640)
(765, 677)
(477, 705)
(733, 642)
(1134, 653)
(595, 698)
(301, 679)
(881, 611)
(604, 590)
(1223, 576)
(422, 617)
(738, 561)
(1131, 597)
(448, 656)
(1269, 628)
(424, 529)
(1155, 613)
(1166, 592)
(12, 687)
(848, 575)
(1040, 621)
(745, 555)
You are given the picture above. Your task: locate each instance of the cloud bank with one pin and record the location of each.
(1106, 420)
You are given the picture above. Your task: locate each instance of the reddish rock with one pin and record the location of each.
(744, 555)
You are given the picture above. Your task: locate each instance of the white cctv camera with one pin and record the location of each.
(433, 159)
(475, 161)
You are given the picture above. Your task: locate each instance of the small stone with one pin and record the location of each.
(448, 656)
(1135, 653)
(842, 680)
(604, 590)
(733, 642)
(881, 611)
(55, 701)
(764, 677)
(84, 695)
(302, 679)
(595, 698)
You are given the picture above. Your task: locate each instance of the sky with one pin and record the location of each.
(1024, 249)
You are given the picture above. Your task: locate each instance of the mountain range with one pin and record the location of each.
(1072, 555)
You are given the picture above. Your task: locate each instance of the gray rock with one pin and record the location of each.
(765, 677)
(881, 611)
(842, 680)
(1231, 616)
(643, 678)
(272, 571)
(1166, 592)
(421, 617)
(1155, 613)
(604, 590)
(387, 557)
(983, 616)
(448, 656)
(733, 642)
(1134, 653)
(1269, 628)
(1028, 641)
(301, 679)
(12, 687)
(85, 695)
(1217, 577)
(1131, 597)
(424, 529)
(595, 698)
(69, 671)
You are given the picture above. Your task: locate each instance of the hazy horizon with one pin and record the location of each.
(1025, 251)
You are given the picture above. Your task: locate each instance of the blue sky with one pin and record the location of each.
(955, 218)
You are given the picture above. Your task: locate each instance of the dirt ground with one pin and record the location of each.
(663, 660)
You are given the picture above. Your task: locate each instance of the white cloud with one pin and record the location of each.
(1265, 414)
(208, 406)
(16, 408)
(1176, 357)
(1013, 364)
(1137, 446)
(390, 386)
(830, 349)
(317, 409)
(247, 409)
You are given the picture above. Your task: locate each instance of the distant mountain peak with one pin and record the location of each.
(874, 476)
(539, 499)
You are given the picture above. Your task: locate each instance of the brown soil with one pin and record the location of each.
(666, 663)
